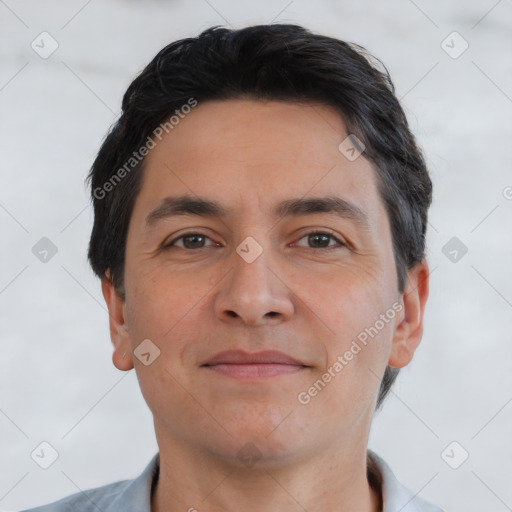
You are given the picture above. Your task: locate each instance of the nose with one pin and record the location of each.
(254, 292)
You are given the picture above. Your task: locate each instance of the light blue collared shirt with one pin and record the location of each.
(135, 495)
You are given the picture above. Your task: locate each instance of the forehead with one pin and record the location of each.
(250, 155)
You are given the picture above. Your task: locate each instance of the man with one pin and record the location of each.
(260, 217)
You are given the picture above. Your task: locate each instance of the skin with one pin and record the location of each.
(199, 297)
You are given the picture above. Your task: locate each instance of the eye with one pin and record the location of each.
(190, 241)
(320, 239)
(316, 239)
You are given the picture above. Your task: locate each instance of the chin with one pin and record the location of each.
(255, 449)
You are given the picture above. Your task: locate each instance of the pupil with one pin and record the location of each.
(197, 239)
(193, 237)
(325, 237)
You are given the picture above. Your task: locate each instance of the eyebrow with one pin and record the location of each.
(188, 205)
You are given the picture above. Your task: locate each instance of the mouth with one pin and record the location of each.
(240, 364)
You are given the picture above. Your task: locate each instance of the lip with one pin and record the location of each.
(240, 364)
(241, 357)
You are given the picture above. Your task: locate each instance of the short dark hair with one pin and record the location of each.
(284, 62)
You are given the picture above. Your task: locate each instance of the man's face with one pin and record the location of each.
(256, 279)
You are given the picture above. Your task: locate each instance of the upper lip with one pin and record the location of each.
(241, 357)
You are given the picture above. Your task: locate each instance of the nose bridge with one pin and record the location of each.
(252, 292)
(251, 264)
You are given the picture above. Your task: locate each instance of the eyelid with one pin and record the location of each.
(314, 231)
(171, 243)
(325, 231)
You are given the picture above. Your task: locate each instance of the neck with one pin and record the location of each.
(200, 482)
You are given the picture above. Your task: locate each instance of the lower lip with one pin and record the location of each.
(242, 371)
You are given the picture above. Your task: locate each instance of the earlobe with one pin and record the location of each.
(408, 332)
(119, 334)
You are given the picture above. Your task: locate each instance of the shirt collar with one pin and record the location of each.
(136, 497)
(395, 497)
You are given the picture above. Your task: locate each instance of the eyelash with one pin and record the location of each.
(313, 232)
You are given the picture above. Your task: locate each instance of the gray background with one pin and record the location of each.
(57, 381)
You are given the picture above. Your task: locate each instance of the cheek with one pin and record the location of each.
(159, 303)
(357, 324)
(348, 384)
(346, 300)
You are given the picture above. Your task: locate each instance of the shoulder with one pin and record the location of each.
(91, 500)
(123, 496)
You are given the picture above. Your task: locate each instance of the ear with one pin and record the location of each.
(119, 333)
(409, 331)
